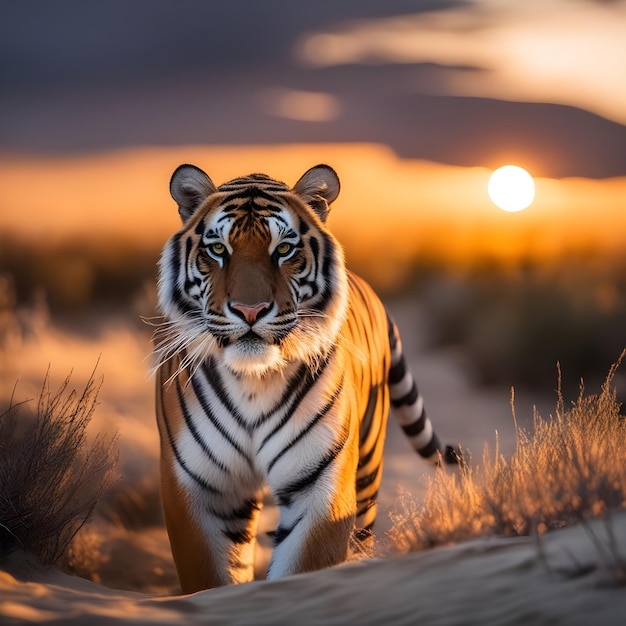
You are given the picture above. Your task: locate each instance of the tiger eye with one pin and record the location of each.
(283, 248)
(217, 248)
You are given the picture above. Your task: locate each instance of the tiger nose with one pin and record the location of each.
(251, 313)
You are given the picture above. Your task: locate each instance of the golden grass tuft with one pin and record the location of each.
(570, 469)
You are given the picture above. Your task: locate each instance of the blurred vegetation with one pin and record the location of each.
(570, 469)
(516, 322)
(78, 275)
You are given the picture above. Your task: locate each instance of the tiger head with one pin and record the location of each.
(254, 278)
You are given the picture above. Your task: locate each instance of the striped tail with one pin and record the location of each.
(408, 405)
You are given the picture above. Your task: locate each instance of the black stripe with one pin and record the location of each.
(200, 394)
(324, 410)
(254, 180)
(308, 382)
(281, 533)
(312, 376)
(366, 481)
(430, 449)
(180, 460)
(250, 192)
(181, 303)
(363, 506)
(194, 431)
(304, 227)
(174, 248)
(244, 512)
(188, 246)
(241, 536)
(315, 250)
(366, 457)
(408, 399)
(215, 381)
(285, 495)
(243, 515)
(392, 330)
(200, 226)
(411, 430)
(366, 420)
(227, 211)
(329, 287)
(397, 372)
(295, 381)
(176, 294)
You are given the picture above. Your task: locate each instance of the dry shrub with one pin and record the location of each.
(571, 468)
(50, 478)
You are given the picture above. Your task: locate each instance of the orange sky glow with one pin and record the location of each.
(389, 208)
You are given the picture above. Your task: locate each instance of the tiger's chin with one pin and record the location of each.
(253, 358)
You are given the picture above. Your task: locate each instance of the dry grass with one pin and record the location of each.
(50, 479)
(571, 468)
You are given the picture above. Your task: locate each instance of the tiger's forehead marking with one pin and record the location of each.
(253, 182)
(250, 214)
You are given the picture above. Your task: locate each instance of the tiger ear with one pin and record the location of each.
(319, 186)
(190, 187)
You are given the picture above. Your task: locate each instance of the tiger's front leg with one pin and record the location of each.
(317, 514)
(212, 541)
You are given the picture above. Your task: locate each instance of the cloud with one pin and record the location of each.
(553, 51)
(303, 106)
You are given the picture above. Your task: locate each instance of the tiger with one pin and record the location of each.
(275, 369)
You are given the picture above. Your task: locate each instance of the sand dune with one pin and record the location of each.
(563, 580)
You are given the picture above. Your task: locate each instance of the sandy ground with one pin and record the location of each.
(563, 579)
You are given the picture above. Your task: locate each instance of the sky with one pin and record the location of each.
(470, 83)
(413, 102)
(566, 52)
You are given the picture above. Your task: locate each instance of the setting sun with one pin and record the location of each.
(511, 188)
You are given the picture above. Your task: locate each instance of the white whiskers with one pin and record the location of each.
(187, 335)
